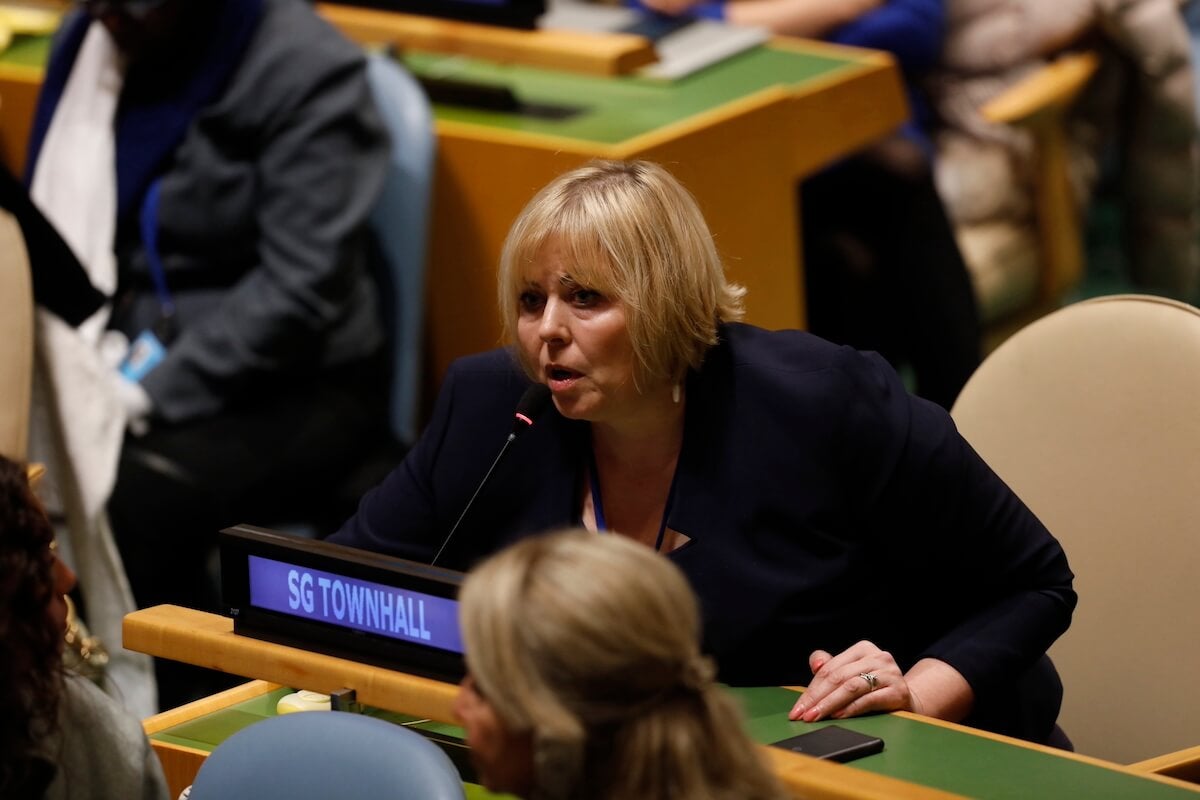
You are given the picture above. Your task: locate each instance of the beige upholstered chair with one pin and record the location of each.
(16, 340)
(1092, 415)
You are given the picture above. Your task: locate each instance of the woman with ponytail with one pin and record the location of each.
(585, 679)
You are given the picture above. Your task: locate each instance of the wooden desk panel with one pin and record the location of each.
(19, 87)
(1182, 764)
(208, 640)
(180, 763)
(922, 757)
(598, 54)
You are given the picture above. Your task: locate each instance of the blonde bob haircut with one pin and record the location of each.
(633, 233)
(590, 643)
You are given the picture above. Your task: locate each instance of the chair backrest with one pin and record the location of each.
(400, 221)
(16, 340)
(1091, 415)
(327, 755)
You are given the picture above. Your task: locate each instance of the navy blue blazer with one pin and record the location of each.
(824, 504)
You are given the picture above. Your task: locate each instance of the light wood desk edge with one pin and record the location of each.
(582, 52)
(208, 640)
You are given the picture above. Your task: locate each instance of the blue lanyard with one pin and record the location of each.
(598, 503)
(148, 219)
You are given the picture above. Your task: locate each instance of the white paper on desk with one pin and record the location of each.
(699, 45)
(575, 15)
(680, 53)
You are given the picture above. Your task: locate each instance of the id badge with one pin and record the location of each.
(145, 353)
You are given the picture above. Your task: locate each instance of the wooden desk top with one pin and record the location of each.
(922, 757)
(588, 53)
(208, 640)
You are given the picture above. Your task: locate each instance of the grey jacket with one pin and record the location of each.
(261, 220)
(100, 750)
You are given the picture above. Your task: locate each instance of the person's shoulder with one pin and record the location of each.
(294, 47)
(101, 739)
(500, 361)
(754, 349)
(477, 397)
(495, 374)
(85, 703)
(89, 715)
(798, 365)
(293, 25)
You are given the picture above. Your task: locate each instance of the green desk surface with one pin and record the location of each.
(616, 109)
(206, 732)
(27, 51)
(612, 110)
(944, 758)
(930, 755)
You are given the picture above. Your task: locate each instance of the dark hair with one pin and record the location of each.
(31, 672)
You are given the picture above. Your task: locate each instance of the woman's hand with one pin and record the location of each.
(864, 678)
(855, 681)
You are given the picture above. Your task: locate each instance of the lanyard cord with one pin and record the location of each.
(148, 219)
(598, 503)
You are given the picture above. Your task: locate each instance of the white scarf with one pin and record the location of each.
(75, 181)
(78, 423)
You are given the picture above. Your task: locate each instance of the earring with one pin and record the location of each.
(675, 394)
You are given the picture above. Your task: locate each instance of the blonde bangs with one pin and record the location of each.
(635, 234)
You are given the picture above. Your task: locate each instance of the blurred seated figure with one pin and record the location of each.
(212, 164)
(60, 735)
(585, 679)
(881, 265)
(1134, 121)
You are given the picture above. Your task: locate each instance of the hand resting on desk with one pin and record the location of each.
(863, 679)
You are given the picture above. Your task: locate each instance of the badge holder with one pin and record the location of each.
(149, 348)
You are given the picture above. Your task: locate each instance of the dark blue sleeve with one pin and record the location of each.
(912, 30)
(991, 586)
(400, 516)
(412, 511)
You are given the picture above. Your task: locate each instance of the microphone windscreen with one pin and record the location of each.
(530, 406)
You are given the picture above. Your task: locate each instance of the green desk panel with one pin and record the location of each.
(206, 732)
(930, 755)
(617, 109)
(954, 761)
(613, 109)
(27, 51)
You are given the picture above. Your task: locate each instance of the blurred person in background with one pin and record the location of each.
(212, 163)
(882, 268)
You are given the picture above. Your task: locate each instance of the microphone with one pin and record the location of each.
(532, 403)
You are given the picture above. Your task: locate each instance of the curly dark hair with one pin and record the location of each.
(31, 671)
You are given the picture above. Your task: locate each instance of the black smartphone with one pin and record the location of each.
(834, 743)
